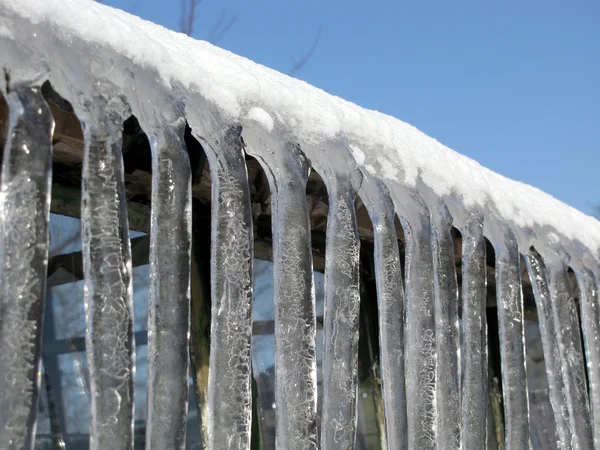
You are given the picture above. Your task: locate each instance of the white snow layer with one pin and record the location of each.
(242, 88)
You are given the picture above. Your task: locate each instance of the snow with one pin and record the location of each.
(395, 150)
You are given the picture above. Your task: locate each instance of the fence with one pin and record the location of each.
(437, 254)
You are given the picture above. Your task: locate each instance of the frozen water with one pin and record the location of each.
(107, 275)
(287, 170)
(509, 298)
(236, 85)
(474, 335)
(446, 333)
(24, 215)
(539, 279)
(390, 297)
(169, 309)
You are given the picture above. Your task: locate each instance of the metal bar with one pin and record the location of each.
(25, 211)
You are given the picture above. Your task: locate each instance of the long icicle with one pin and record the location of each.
(474, 404)
(24, 209)
(342, 303)
(169, 308)
(590, 324)
(541, 292)
(287, 170)
(107, 287)
(420, 348)
(512, 341)
(229, 387)
(566, 325)
(446, 333)
(390, 296)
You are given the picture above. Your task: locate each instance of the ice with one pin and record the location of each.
(24, 209)
(590, 324)
(512, 338)
(390, 297)
(287, 170)
(342, 295)
(169, 309)
(568, 337)
(474, 335)
(229, 388)
(420, 340)
(107, 272)
(236, 85)
(545, 309)
(446, 332)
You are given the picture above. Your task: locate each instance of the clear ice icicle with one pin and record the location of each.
(342, 296)
(229, 388)
(590, 324)
(568, 336)
(24, 209)
(446, 332)
(474, 334)
(390, 296)
(107, 285)
(545, 311)
(169, 308)
(420, 345)
(287, 170)
(512, 340)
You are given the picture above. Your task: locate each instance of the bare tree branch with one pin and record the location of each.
(221, 30)
(188, 16)
(300, 63)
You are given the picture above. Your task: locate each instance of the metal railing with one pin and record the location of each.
(432, 329)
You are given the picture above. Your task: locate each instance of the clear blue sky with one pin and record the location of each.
(512, 84)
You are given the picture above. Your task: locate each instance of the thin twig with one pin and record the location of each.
(300, 63)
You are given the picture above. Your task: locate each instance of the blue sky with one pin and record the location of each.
(512, 84)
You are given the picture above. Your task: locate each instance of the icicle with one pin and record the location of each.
(107, 268)
(566, 325)
(420, 346)
(342, 304)
(390, 296)
(24, 209)
(474, 332)
(229, 388)
(544, 305)
(169, 309)
(446, 332)
(287, 170)
(512, 340)
(590, 324)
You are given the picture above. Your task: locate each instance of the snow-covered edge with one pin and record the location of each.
(388, 147)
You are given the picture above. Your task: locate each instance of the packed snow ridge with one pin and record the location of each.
(381, 144)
